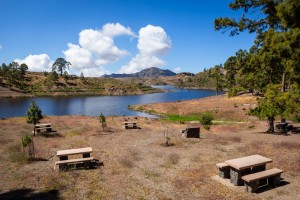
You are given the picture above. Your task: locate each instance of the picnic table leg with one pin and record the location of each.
(251, 187)
(224, 172)
(236, 176)
(274, 181)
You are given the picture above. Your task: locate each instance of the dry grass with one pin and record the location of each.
(137, 166)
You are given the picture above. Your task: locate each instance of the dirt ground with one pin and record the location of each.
(137, 164)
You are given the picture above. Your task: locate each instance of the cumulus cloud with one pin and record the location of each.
(177, 69)
(37, 63)
(96, 49)
(153, 43)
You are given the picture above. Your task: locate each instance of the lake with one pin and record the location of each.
(93, 105)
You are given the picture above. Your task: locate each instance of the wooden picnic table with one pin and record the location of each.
(246, 165)
(130, 125)
(63, 154)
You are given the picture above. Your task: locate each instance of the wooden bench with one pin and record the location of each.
(132, 125)
(224, 170)
(39, 127)
(270, 177)
(74, 163)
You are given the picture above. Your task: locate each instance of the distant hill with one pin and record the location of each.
(152, 72)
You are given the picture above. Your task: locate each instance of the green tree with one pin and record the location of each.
(274, 59)
(27, 141)
(23, 69)
(66, 76)
(60, 65)
(275, 103)
(4, 70)
(102, 121)
(34, 114)
(217, 74)
(263, 16)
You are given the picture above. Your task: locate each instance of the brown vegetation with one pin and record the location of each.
(136, 164)
(222, 107)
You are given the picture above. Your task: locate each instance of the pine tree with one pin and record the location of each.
(34, 114)
(102, 121)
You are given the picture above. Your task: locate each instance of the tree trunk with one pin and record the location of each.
(283, 89)
(271, 125)
(283, 82)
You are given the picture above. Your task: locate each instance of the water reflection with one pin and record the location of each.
(93, 105)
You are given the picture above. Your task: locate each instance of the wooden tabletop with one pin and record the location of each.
(74, 151)
(248, 161)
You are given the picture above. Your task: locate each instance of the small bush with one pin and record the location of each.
(206, 118)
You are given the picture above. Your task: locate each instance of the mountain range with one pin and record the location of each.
(152, 72)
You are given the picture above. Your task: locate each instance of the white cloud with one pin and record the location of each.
(37, 63)
(153, 43)
(94, 72)
(113, 30)
(96, 49)
(1, 47)
(177, 69)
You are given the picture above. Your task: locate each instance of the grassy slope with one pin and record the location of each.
(37, 84)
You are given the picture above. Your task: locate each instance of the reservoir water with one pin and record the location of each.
(93, 105)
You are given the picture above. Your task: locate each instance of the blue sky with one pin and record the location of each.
(117, 36)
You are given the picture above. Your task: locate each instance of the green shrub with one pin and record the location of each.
(206, 118)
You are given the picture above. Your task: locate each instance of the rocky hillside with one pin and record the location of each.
(152, 72)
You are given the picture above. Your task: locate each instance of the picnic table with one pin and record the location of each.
(128, 125)
(283, 127)
(39, 127)
(84, 162)
(246, 165)
(63, 154)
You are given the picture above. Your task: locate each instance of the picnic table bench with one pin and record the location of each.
(74, 163)
(65, 163)
(271, 177)
(132, 125)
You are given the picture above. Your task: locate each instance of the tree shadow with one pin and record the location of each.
(51, 134)
(37, 159)
(30, 194)
(107, 131)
